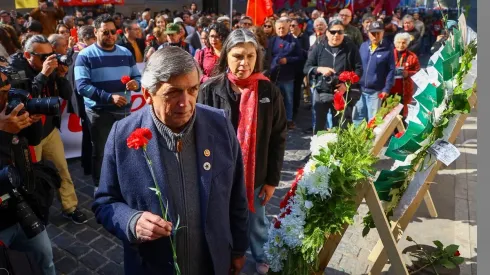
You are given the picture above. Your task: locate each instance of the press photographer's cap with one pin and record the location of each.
(376, 26)
(172, 28)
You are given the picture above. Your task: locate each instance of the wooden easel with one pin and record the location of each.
(379, 254)
(367, 191)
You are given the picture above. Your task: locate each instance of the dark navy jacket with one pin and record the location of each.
(378, 67)
(290, 48)
(125, 181)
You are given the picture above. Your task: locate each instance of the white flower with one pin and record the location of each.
(308, 204)
(438, 112)
(334, 161)
(309, 166)
(316, 183)
(320, 141)
(377, 131)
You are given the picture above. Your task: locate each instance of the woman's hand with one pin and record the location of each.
(266, 193)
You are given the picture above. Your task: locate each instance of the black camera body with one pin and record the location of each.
(49, 106)
(65, 60)
(29, 222)
(328, 84)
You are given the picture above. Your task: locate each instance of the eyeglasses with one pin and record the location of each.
(293, 25)
(344, 15)
(267, 26)
(42, 56)
(107, 32)
(340, 32)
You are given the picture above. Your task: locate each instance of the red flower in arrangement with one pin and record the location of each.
(372, 123)
(281, 46)
(277, 224)
(399, 134)
(457, 254)
(381, 96)
(338, 101)
(349, 76)
(125, 79)
(292, 190)
(119, 31)
(139, 138)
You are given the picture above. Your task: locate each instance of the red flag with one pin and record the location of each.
(385, 5)
(279, 4)
(291, 3)
(304, 3)
(259, 10)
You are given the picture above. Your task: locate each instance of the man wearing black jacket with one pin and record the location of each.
(330, 58)
(133, 40)
(40, 64)
(28, 130)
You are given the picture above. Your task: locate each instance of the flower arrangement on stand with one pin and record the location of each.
(321, 199)
(139, 138)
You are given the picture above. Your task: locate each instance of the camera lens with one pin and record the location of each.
(49, 106)
(28, 221)
(11, 175)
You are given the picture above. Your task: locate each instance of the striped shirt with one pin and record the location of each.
(98, 75)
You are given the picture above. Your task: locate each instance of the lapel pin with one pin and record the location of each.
(207, 153)
(207, 166)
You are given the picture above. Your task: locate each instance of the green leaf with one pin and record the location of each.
(438, 244)
(447, 264)
(365, 231)
(451, 249)
(457, 260)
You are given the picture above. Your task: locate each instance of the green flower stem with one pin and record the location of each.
(164, 211)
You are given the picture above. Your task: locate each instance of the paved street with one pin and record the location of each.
(89, 249)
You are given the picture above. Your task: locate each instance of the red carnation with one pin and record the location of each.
(457, 254)
(125, 79)
(139, 138)
(344, 76)
(338, 101)
(399, 134)
(281, 46)
(119, 31)
(277, 224)
(354, 78)
(372, 123)
(381, 95)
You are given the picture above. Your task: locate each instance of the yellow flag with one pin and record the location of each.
(26, 4)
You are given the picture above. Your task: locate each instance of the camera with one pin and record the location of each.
(328, 83)
(65, 60)
(49, 106)
(29, 222)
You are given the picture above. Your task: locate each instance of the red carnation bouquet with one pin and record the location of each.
(140, 138)
(340, 97)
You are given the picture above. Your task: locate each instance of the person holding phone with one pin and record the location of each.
(48, 13)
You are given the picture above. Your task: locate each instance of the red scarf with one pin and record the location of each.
(247, 128)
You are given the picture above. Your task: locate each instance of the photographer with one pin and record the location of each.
(325, 62)
(27, 129)
(442, 38)
(43, 66)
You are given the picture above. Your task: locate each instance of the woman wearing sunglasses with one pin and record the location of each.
(269, 29)
(328, 59)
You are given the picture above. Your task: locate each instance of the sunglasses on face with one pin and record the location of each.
(267, 26)
(340, 32)
(293, 25)
(107, 32)
(42, 56)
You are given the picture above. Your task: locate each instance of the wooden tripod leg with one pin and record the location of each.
(430, 205)
(400, 126)
(398, 230)
(384, 230)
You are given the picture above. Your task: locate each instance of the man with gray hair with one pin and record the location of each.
(69, 21)
(40, 64)
(353, 33)
(59, 43)
(196, 162)
(415, 38)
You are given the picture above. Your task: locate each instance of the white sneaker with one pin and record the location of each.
(262, 269)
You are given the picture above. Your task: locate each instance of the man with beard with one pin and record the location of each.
(98, 72)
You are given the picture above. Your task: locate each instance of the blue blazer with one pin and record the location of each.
(124, 190)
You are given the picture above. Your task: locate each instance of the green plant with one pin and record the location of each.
(448, 257)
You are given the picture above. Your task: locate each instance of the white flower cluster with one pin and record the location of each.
(320, 141)
(288, 237)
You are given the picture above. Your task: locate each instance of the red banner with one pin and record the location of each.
(68, 3)
(259, 10)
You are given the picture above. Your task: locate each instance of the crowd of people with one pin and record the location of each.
(221, 94)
